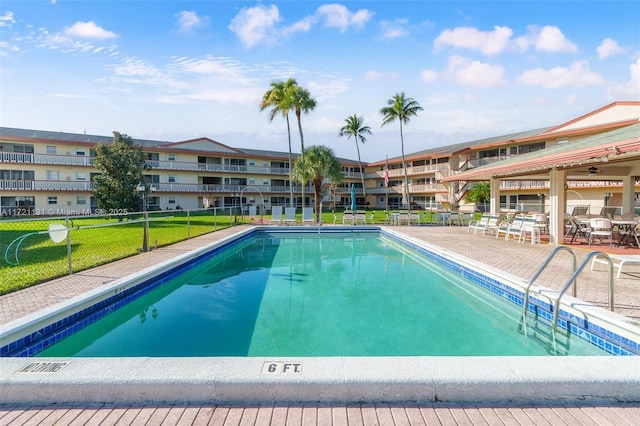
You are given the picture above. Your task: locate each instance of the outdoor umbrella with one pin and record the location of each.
(353, 197)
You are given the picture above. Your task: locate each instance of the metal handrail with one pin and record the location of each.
(573, 277)
(535, 276)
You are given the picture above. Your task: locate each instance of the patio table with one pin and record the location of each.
(626, 231)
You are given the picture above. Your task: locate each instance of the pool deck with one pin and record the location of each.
(515, 258)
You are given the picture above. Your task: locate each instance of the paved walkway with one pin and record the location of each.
(515, 258)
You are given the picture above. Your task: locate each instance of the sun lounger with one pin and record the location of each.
(619, 261)
(361, 217)
(479, 223)
(307, 215)
(414, 217)
(276, 215)
(289, 216)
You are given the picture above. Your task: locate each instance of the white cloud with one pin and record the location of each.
(189, 21)
(487, 42)
(7, 19)
(394, 29)
(5, 48)
(372, 76)
(607, 48)
(474, 73)
(255, 25)
(631, 89)
(546, 39)
(88, 30)
(337, 15)
(577, 75)
(429, 76)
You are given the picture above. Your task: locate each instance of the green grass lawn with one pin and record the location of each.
(38, 259)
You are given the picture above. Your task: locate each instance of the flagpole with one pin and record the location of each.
(386, 184)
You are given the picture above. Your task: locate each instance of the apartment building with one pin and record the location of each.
(44, 172)
(51, 172)
(430, 171)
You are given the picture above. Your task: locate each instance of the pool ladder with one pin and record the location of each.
(555, 304)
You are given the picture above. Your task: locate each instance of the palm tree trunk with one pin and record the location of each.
(290, 164)
(364, 192)
(404, 166)
(301, 150)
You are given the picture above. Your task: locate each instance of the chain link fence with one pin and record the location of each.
(38, 249)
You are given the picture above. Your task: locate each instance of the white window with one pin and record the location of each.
(174, 199)
(81, 151)
(81, 176)
(252, 163)
(53, 175)
(53, 200)
(81, 200)
(265, 181)
(562, 141)
(252, 181)
(171, 179)
(51, 149)
(171, 157)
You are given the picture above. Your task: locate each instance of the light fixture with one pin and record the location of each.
(617, 150)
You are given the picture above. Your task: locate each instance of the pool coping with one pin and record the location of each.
(345, 379)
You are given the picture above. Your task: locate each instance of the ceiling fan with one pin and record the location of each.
(592, 170)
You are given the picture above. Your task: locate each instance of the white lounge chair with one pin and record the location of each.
(479, 223)
(619, 261)
(307, 215)
(276, 215)
(289, 216)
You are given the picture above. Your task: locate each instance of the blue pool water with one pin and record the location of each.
(316, 295)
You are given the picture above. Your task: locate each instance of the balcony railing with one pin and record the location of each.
(87, 186)
(62, 160)
(413, 189)
(45, 185)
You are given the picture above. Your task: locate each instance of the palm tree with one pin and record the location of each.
(319, 164)
(479, 193)
(278, 98)
(301, 101)
(401, 108)
(355, 127)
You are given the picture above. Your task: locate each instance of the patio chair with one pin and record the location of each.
(600, 228)
(348, 218)
(276, 215)
(289, 216)
(490, 225)
(529, 227)
(360, 217)
(618, 260)
(403, 217)
(475, 224)
(542, 222)
(307, 215)
(414, 217)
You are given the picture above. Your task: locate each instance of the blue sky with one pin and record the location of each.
(178, 70)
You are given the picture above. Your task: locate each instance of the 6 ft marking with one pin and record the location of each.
(281, 368)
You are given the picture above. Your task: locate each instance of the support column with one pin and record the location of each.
(557, 205)
(494, 185)
(628, 193)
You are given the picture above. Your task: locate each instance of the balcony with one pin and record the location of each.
(45, 185)
(62, 160)
(413, 189)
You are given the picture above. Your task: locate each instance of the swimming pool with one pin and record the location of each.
(288, 378)
(338, 294)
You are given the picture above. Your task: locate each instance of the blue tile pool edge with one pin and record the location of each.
(44, 337)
